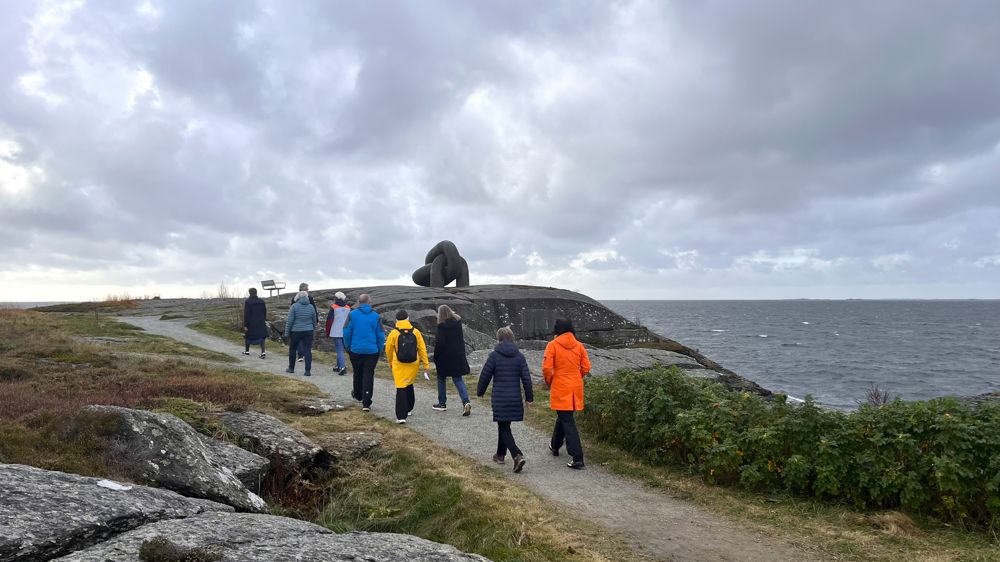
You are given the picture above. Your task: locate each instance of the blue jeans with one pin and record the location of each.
(463, 392)
(339, 344)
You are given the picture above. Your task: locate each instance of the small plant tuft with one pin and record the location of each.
(160, 549)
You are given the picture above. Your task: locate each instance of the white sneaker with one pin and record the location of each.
(400, 421)
(246, 353)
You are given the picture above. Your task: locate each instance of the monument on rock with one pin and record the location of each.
(443, 265)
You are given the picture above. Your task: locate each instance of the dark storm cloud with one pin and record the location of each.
(606, 145)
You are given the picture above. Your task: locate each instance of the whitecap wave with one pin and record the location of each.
(719, 330)
(761, 335)
(806, 323)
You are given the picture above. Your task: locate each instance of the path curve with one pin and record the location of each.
(658, 525)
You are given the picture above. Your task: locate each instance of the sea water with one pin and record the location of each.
(834, 350)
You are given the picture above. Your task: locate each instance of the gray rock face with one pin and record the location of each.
(45, 514)
(350, 445)
(248, 467)
(243, 537)
(315, 406)
(162, 449)
(269, 437)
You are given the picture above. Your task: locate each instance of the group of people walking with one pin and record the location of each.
(358, 334)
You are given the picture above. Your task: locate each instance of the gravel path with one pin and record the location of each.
(658, 526)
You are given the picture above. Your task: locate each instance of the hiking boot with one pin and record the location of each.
(246, 353)
(518, 463)
(289, 370)
(263, 355)
(575, 465)
(499, 459)
(466, 409)
(439, 407)
(308, 374)
(555, 452)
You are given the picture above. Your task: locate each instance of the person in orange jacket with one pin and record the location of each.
(564, 365)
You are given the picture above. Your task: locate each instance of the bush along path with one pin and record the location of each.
(655, 524)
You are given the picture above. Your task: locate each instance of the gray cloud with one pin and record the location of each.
(626, 149)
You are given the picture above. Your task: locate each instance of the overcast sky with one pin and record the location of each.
(623, 149)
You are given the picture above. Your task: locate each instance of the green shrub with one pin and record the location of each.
(939, 457)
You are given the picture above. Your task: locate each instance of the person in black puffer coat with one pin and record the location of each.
(254, 323)
(508, 370)
(450, 360)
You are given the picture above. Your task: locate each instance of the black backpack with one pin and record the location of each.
(406, 346)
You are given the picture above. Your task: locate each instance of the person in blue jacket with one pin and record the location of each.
(299, 329)
(508, 370)
(364, 340)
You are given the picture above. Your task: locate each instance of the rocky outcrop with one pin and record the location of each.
(313, 406)
(45, 514)
(248, 467)
(606, 361)
(269, 437)
(161, 449)
(246, 537)
(349, 445)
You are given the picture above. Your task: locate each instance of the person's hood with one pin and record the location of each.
(304, 303)
(339, 304)
(365, 309)
(254, 299)
(567, 340)
(506, 348)
(404, 325)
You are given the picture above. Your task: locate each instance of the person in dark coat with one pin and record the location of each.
(508, 370)
(450, 360)
(254, 323)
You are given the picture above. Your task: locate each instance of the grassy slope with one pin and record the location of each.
(408, 485)
(848, 533)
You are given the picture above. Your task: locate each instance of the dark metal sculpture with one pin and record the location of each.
(443, 265)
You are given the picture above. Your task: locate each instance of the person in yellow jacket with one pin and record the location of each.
(406, 351)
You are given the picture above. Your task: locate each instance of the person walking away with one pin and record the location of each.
(254, 323)
(335, 321)
(304, 287)
(364, 340)
(450, 360)
(406, 351)
(564, 366)
(300, 329)
(508, 369)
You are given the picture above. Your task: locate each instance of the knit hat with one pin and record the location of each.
(340, 295)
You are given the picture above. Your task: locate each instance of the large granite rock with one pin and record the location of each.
(45, 514)
(606, 361)
(270, 437)
(243, 537)
(351, 444)
(248, 467)
(161, 449)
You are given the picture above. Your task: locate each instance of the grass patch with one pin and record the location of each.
(412, 485)
(129, 338)
(847, 532)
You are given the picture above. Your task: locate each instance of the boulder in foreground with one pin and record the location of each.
(244, 537)
(45, 513)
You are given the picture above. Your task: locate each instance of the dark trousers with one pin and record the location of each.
(505, 440)
(301, 341)
(566, 431)
(247, 342)
(363, 365)
(405, 399)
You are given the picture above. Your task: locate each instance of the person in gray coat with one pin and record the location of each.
(299, 329)
(508, 370)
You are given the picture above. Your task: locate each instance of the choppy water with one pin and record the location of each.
(835, 349)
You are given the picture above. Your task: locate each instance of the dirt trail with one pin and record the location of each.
(657, 525)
